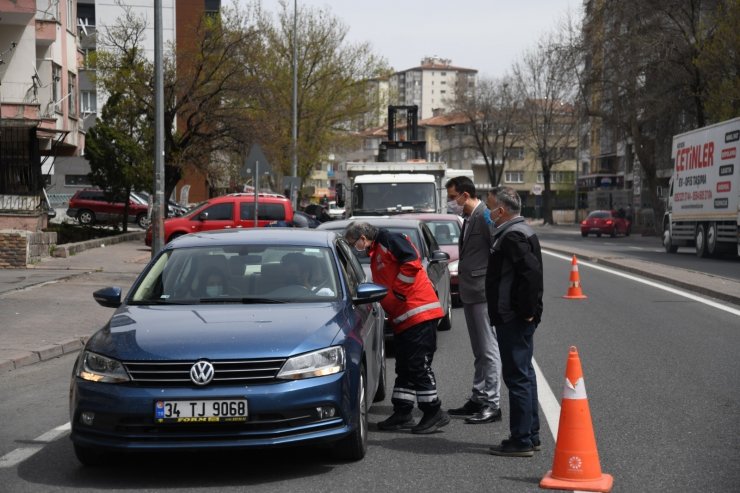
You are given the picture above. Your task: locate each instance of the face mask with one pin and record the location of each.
(493, 220)
(454, 208)
(487, 216)
(213, 291)
(360, 250)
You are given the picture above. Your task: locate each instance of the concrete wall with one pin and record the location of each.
(20, 248)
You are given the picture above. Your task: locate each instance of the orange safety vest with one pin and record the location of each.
(395, 263)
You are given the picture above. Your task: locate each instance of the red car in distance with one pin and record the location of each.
(605, 222)
(446, 229)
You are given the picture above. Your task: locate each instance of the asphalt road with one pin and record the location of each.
(660, 370)
(647, 248)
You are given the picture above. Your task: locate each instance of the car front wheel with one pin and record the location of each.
(354, 445)
(142, 221)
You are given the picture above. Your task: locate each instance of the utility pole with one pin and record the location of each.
(294, 141)
(158, 203)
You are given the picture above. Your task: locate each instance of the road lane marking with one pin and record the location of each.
(16, 456)
(548, 402)
(685, 294)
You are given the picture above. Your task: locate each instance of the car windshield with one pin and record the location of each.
(599, 215)
(445, 232)
(240, 274)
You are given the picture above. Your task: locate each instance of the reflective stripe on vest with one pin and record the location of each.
(416, 311)
(406, 279)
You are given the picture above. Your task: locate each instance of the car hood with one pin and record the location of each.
(217, 331)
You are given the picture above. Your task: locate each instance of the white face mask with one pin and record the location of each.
(213, 291)
(454, 208)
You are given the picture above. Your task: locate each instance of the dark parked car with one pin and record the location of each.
(90, 206)
(605, 222)
(433, 258)
(303, 220)
(246, 338)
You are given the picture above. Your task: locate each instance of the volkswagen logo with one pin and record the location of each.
(201, 373)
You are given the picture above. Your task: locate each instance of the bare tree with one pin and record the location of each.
(548, 87)
(491, 111)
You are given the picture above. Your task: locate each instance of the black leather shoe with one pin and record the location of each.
(468, 409)
(486, 415)
(510, 449)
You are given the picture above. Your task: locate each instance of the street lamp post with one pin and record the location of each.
(158, 203)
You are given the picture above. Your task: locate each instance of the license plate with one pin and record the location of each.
(201, 411)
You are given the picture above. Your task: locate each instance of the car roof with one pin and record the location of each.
(379, 222)
(255, 236)
(432, 216)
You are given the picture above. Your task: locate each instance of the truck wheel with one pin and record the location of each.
(712, 246)
(701, 241)
(667, 243)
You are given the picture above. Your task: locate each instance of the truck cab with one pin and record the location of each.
(386, 194)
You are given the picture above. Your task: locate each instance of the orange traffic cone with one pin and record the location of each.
(574, 289)
(576, 463)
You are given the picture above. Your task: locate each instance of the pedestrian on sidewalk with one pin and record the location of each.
(514, 286)
(414, 311)
(474, 245)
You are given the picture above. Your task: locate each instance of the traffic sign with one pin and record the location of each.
(255, 161)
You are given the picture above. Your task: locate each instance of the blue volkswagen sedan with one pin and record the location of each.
(234, 339)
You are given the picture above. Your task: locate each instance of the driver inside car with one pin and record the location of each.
(305, 271)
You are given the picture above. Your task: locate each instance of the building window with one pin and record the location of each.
(443, 92)
(88, 102)
(514, 177)
(56, 88)
(77, 180)
(71, 15)
(568, 153)
(515, 153)
(444, 82)
(72, 93)
(443, 74)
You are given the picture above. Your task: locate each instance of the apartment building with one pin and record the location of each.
(40, 120)
(433, 85)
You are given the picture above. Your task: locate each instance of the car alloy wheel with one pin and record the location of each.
(86, 217)
(354, 445)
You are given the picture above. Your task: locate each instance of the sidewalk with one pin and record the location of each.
(48, 310)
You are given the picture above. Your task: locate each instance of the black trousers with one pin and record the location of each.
(415, 382)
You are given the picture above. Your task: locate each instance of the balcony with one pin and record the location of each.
(46, 32)
(16, 12)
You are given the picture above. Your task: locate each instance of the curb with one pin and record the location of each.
(43, 353)
(69, 249)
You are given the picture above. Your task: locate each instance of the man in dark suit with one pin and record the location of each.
(475, 242)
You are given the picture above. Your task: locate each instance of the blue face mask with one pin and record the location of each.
(487, 216)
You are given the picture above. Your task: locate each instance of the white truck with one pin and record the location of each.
(703, 209)
(386, 188)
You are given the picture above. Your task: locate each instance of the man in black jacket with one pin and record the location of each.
(514, 293)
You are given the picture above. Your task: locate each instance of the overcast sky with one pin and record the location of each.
(486, 35)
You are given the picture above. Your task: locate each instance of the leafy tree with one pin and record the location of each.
(331, 88)
(205, 115)
(116, 152)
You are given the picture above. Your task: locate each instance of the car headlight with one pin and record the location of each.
(316, 364)
(97, 368)
(453, 267)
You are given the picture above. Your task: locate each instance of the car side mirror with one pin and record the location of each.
(439, 256)
(369, 292)
(203, 216)
(109, 297)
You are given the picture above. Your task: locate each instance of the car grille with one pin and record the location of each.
(177, 373)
